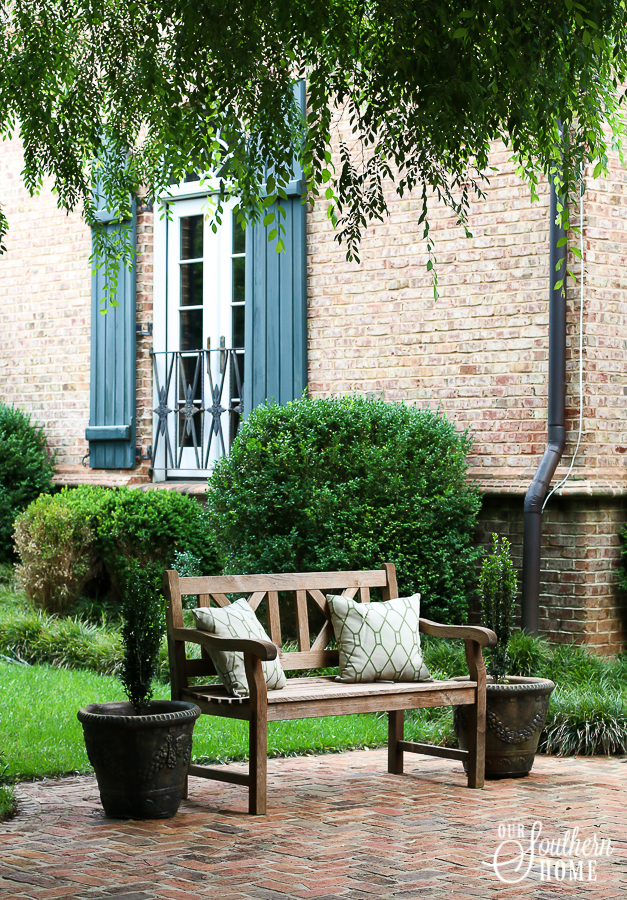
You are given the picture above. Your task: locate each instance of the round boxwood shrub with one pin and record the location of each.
(26, 470)
(350, 483)
(90, 537)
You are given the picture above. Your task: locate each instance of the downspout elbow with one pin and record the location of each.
(539, 486)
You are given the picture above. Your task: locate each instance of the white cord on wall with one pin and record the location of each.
(581, 300)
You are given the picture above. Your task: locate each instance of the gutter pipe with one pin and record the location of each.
(534, 499)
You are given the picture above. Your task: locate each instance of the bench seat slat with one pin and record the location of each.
(325, 687)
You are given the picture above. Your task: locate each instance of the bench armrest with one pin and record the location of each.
(264, 650)
(485, 637)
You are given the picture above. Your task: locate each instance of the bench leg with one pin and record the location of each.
(396, 730)
(186, 788)
(258, 766)
(476, 717)
(476, 747)
(257, 737)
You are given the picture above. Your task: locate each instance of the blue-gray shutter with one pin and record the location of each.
(111, 431)
(276, 304)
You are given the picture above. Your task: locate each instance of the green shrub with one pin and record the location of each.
(444, 659)
(350, 483)
(151, 526)
(143, 624)
(56, 543)
(26, 470)
(8, 805)
(575, 664)
(83, 539)
(497, 586)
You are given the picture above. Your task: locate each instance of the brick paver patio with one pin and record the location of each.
(338, 827)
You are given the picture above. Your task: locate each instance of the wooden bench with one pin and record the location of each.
(314, 696)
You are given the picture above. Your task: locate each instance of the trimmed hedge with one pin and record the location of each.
(26, 470)
(85, 538)
(350, 483)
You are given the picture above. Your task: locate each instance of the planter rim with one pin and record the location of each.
(519, 684)
(113, 713)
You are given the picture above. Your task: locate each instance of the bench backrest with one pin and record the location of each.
(310, 654)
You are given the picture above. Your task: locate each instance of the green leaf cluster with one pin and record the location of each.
(135, 96)
(350, 483)
(26, 470)
(497, 585)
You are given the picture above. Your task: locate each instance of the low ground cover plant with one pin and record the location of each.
(26, 470)
(350, 483)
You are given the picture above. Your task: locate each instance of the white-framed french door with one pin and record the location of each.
(199, 372)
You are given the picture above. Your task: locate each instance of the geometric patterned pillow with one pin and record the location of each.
(378, 641)
(237, 620)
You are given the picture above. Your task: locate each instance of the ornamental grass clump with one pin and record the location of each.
(586, 721)
(497, 584)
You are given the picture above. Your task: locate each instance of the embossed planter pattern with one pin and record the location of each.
(140, 761)
(516, 713)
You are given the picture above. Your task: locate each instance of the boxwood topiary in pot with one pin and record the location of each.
(516, 706)
(140, 749)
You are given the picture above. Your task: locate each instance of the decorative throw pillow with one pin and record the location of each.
(237, 620)
(378, 641)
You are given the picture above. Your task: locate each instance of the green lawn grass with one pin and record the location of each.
(40, 734)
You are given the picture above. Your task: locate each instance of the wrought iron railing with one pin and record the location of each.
(199, 396)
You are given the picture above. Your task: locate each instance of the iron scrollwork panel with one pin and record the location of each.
(192, 406)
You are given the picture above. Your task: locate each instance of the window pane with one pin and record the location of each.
(239, 273)
(191, 237)
(191, 284)
(237, 359)
(238, 326)
(191, 329)
(239, 237)
(190, 366)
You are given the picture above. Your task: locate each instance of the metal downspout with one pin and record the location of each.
(532, 538)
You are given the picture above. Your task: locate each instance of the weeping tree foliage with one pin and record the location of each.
(141, 92)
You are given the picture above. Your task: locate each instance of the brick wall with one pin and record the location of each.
(45, 312)
(581, 556)
(480, 352)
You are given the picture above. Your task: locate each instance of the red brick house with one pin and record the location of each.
(258, 326)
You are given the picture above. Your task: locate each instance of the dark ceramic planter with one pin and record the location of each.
(516, 713)
(140, 761)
